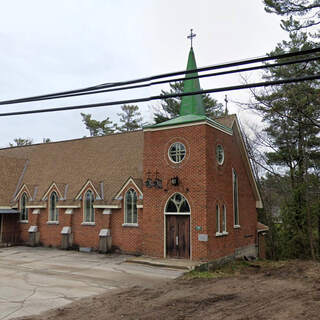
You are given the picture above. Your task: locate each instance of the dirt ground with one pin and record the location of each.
(256, 290)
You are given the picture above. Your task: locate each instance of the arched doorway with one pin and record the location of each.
(177, 214)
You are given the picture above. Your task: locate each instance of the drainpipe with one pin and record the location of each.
(1, 227)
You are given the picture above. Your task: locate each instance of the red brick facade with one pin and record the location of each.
(202, 181)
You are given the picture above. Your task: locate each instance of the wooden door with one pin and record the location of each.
(178, 236)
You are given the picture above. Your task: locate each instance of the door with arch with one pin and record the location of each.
(177, 213)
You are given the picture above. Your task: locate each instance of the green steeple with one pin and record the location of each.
(192, 105)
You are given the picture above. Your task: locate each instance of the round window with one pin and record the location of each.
(219, 154)
(177, 152)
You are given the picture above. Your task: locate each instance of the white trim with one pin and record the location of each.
(259, 203)
(49, 206)
(130, 180)
(177, 213)
(23, 221)
(139, 206)
(36, 206)
(21, 191)
(48, 192)
(62, 206)
(130, 225)
(189, 125)
(36, 211)
(5, 207)
(107, 206)
(106, 211)
(236, 226)
(53, 222)
(224, 218)
(84, 187)
(88, 223)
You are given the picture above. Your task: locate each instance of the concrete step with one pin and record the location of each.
(181, 264)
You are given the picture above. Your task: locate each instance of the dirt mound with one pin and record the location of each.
(259, 290)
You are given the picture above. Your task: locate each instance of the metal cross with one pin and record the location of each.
(226, 101)
(192, 35)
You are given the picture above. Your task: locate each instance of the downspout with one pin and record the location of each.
(1, 228)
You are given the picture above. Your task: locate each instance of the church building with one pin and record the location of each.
(181, 188)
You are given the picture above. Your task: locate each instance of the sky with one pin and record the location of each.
(50, 46)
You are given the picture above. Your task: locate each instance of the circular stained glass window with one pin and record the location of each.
(220, 154)
(177, 152)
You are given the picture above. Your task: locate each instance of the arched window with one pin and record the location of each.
(88, 207)
(177, 204)
(218, 228)
(53, 210)
(235, 198)
(224, 218)
(23, 207)
(131, 215)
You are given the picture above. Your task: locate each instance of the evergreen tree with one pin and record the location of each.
(171, 106)
(130, 118)
(18, 142)
(300, 13)
(97, 128)
(290, 111)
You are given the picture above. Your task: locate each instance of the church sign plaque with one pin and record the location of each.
(203, 237)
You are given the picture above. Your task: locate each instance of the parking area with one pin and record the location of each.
(33, 280)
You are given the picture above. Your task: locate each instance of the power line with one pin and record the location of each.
(97, 88)
(159, 97)
(305, 60)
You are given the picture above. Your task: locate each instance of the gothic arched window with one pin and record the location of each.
(177, 203)
(23, 207)
(88, 207)
(53, 210)
(131, 214)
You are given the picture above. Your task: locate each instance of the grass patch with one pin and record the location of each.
(236, 267)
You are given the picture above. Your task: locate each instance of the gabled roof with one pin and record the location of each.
(109, 159)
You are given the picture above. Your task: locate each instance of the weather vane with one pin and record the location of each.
(192, 35)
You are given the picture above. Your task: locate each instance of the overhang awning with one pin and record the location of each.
(8, 211)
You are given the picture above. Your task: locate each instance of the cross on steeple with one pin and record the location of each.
(192, 35)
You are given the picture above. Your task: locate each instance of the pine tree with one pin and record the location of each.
(289, 112)
(18, 142)
(170, 108)
(97, 128)
(130, 118)
(301, 13)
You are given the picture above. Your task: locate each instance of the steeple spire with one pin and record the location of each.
(191, 104)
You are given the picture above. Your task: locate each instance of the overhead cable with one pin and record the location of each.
(98, 88)
(159, 97)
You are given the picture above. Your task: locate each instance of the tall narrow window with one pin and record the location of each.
(23, 208)
(88, 207)
(224, 219)
(218, 231)
(131, 215)
(235, 198)
(53, 210)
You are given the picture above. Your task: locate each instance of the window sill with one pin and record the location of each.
(221, 234)
(52, 222)
(23, 221)
(236, 226)
(133, 225)
(88, 223)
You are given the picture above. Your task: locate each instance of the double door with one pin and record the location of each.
(178, 236)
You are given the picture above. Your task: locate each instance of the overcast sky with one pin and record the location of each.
(48, 46)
